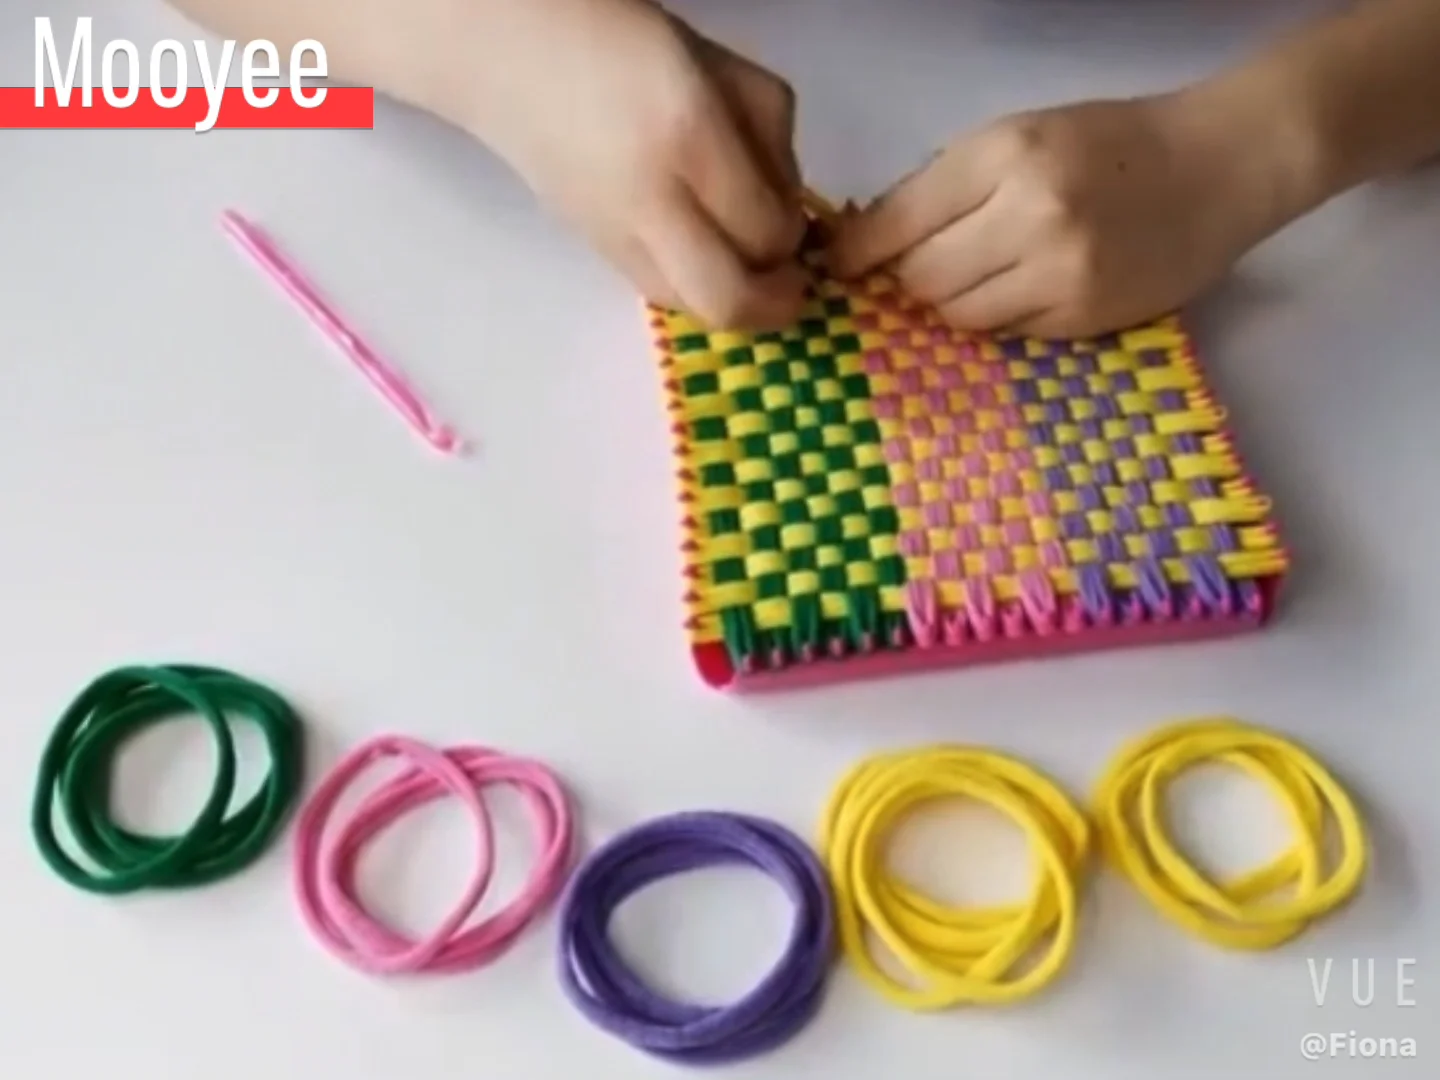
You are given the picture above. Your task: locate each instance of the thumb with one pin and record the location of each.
(712, 280)
(761, 108)
(765, 108)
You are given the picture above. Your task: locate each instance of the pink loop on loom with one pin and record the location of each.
(325, 878)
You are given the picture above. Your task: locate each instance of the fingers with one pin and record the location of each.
(959, 257)
(948, 188)
(741, 164)
(1002, 302)
(726, 176)
(766, 117)
(764, 108)
(710, 279)
(632, 260)
(771, 117)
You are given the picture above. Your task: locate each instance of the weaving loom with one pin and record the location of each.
(871, 491)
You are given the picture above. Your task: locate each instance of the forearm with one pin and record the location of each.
(417, 51)
(1346, 99)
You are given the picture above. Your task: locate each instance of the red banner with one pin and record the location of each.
(342, 107)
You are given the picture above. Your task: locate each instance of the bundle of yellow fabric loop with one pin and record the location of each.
(1242, 912)
(957, 955)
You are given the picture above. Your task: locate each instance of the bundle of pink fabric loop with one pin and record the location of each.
(325, 876)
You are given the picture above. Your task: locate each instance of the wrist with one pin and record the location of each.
(1264, 147)
(464, 57)
(1344, 99)
(518, 60)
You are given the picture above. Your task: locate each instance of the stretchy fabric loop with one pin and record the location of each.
(1242, 912)
(325, 878)
(618, 1001)
(957, 955)
(75, 778)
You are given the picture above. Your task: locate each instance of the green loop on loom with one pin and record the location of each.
(807, 628)
(75, 779)
(739, 629)
(863, 617)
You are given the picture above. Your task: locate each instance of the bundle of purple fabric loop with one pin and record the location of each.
(614, 998)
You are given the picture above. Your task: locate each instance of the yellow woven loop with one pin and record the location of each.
(1242, 912)
(957, 955)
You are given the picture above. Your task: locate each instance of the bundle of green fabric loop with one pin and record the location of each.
(76, 770)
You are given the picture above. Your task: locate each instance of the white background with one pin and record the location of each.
(187, 473)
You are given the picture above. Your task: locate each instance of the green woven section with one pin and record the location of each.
(791, 488)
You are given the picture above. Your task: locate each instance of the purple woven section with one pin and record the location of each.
(615, 999)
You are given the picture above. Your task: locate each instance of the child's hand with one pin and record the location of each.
(1070, 221)
(671, 154)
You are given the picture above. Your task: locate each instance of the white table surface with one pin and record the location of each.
(188, 474)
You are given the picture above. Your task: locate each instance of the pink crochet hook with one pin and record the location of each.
(386, 379)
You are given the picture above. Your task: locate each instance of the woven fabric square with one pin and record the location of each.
(871, 480)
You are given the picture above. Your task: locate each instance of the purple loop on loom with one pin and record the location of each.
(1252, 600)
(1075, 526)
(1095, 592)
(1177, 515)
(1170, 399)
(615, 999)
(1210, 581)
(1162, 543)
(1154, 588)
(1112, 547)
(1222, 538)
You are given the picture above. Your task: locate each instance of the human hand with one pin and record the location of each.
(671, 154)
(1072, 221)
